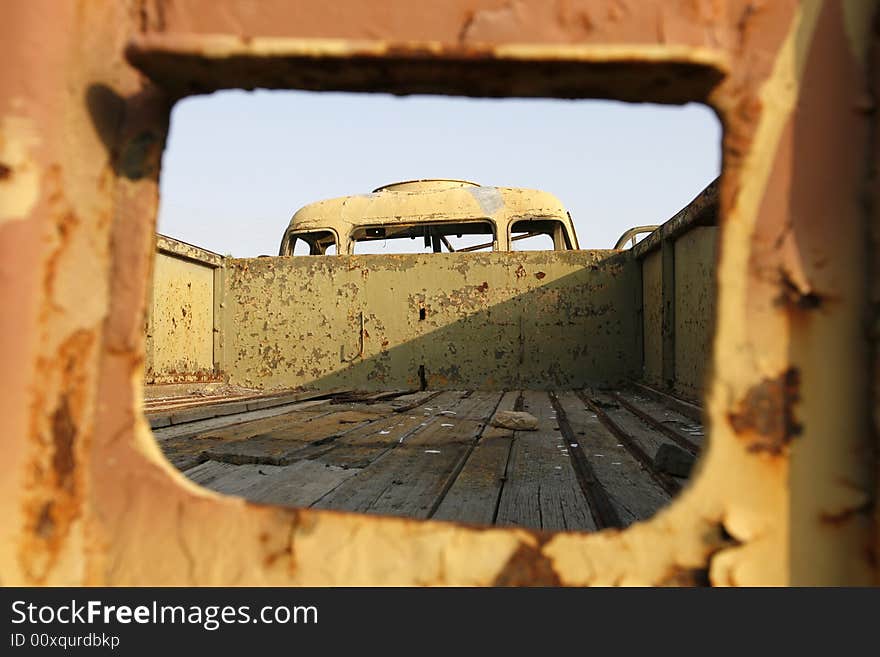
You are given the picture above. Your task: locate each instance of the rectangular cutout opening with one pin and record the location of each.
(441, 329)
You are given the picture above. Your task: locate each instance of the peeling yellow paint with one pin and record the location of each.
(19, 171)
(467, 320)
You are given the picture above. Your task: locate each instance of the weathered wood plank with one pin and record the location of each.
(361, 447)
(283, 444)
(407, 480)
(603, 511)
(186, 460)
(686, 408)
(474, 494)
(242, 477)
(187, 450)
(266, 425)
(408, 402)
(432, 459)
(205, 473)
(366, 397)
(641, 441)
(680, 428)
(300, 484)
(648, 439)
(202, 426)
(630, 488)
(164, 413)
(541, 490)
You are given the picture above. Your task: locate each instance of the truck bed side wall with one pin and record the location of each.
(678, 307)
(181, 314)
(489, 321)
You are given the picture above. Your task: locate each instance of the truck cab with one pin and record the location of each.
(446, 215)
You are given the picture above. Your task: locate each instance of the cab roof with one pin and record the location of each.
(433, 200)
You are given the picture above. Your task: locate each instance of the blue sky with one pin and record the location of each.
(239, 164)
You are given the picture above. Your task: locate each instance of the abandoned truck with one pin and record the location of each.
(390, 383)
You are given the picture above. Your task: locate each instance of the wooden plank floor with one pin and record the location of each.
(434, 454)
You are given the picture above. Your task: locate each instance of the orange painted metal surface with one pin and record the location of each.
(86, 89)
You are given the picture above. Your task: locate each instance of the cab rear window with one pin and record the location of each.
(315, 242)
(424, 237)
(539, 235)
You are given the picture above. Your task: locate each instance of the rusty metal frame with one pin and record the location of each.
(786, 492)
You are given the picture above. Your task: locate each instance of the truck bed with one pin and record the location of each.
(600, 458)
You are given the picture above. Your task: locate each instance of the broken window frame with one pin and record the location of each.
(438, 240)
(317, 246)
(558, 233)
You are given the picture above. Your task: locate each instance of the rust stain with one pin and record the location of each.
(273, 552)
(837, 519)
(793, 296)
(528, 566)
(45, 525)
(63, 433)
(55, 491)
(691, 577)
(766, 415)
(5, 171)
(844, 516)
